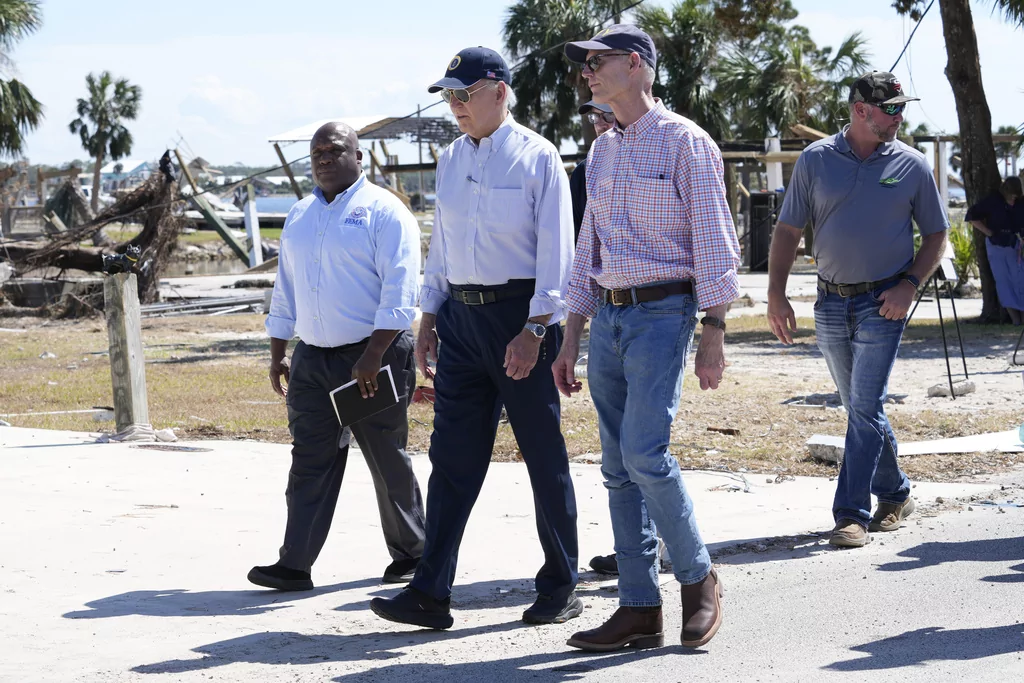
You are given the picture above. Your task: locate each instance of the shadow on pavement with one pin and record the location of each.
(935, 644)
(936, 553)
(467, 596)
(290, 648)
(549, 666)
(179, 602)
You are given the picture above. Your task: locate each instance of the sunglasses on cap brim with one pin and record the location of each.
(462, 94)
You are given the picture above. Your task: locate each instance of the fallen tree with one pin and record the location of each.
(156, 205)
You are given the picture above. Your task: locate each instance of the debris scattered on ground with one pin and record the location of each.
(961, 388)
(729, 431)
(47, 355)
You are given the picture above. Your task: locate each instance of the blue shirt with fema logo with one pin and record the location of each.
(346, 268)
(862, 211)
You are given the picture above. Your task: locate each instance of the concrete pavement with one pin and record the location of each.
(123, 562)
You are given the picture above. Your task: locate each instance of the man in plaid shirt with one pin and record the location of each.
(657, 243)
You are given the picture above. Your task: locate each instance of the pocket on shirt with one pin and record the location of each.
(505, 209)
(653, 203)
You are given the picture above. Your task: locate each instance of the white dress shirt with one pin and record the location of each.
(346, 268)
(503, 213)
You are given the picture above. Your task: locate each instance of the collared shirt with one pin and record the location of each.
(503, 213)
(346, 268)
(1005, 221)
(861, 209)
(656, 212)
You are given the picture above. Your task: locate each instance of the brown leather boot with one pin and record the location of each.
(638, 627)
(702, 610)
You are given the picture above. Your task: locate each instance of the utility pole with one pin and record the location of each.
(617, 13)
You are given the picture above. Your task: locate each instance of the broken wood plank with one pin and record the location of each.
(288, 171)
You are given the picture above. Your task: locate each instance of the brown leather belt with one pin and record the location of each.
(475, 295)
(847, 291)
(637, 295)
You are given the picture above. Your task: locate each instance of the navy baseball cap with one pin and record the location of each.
(472, 65)
(625, 37)
(594, 105)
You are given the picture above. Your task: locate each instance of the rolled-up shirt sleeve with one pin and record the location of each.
(280, 323)
(716, 251)
(553, 220)
(583, 292)
(397, 257)
(435, 279)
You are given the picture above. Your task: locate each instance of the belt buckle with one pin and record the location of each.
(841, 291)
(466, 297)
(613, 297)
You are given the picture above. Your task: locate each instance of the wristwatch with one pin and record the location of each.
(713, 321)
(912, 280)
(536, 329)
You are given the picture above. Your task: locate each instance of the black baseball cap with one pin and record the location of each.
(626, 37)
(472, 65)
(879, 87)
(594, 105)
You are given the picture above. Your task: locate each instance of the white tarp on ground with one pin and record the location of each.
(831, 447)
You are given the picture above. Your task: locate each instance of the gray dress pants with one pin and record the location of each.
(320, 453)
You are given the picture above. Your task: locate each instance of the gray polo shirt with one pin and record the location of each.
(861, 211)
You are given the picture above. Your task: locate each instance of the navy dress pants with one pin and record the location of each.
(469, 391)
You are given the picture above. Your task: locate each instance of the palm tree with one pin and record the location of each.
(980, 167)
(100, 122)
(1008, 151)
(548, 87)
(790, 81)
(688, 41)
(20, 112)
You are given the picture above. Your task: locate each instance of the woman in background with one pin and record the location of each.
(1001, 217)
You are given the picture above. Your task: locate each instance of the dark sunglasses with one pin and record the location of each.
(594, 63)
(595, 116)
(891, 109)
(461, 94)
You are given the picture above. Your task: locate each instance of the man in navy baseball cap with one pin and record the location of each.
(625, 37)
(471, 65)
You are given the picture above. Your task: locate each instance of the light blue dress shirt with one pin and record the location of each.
(503, 213)
(346, 268)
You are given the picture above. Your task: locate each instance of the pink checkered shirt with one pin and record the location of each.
(656, 212)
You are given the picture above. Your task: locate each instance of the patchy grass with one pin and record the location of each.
(208, 377)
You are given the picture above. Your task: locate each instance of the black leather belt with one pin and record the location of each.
(637, 295)
(476, 295)
(855, 289)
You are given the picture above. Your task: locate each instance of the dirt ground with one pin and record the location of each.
(207, 378)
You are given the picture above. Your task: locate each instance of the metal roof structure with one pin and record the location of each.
(437, 129)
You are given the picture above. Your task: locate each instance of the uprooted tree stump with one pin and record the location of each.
(155, 204)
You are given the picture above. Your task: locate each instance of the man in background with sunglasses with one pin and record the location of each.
(499, 261)
(657, 244)
(861, 190)
(601, 117)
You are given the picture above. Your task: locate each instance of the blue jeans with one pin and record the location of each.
(635, 373)
(860, 347)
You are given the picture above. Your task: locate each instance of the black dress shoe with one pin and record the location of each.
(547, 610)
(415, 607)
(401, 571)
(605, 564)
(281, 578)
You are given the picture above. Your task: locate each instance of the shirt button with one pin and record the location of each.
(314, 289)
(316, 260)
(321, 232)
(315, 318)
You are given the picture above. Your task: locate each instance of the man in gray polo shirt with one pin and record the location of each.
(861, 190)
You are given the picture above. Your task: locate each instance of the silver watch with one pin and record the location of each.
(536, 329)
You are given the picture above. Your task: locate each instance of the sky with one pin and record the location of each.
(222, 76)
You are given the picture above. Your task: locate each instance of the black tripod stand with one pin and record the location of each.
(941, 273)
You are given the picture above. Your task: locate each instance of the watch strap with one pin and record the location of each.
(912, 280)
(713, 321)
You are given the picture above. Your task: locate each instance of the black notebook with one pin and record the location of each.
(351, 407)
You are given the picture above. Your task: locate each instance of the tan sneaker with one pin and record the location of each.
(849, 534)
(890, 516)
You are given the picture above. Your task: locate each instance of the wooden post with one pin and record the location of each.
(941, 166)
(288, 171)
(127, 364)
(252, 227)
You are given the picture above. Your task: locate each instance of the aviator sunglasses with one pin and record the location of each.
(595, 116)
(594, 63)
(461, 94)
